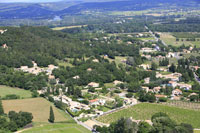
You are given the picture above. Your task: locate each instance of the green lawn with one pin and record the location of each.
(57, 128)
(5, 90)
(144, 111)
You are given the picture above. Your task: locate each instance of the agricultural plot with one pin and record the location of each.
(5, 90)
(68, 27)
(169, 39)
(57, 128)
(39, 107)
(144, 111)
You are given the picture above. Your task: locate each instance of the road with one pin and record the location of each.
(156, 38)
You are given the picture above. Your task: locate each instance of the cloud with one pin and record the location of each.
(27, 1)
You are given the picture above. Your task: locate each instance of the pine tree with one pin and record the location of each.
(1, 108)
(51, 115)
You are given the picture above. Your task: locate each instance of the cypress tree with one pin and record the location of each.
(1, 108)
(51, 115)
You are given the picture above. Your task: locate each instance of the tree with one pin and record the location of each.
(51, 115)
(154, 66)
(144, 127)
(1, 108)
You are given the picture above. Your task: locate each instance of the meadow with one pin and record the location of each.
(144, 111)
(57, 128)
(39, 107)
(5, 90)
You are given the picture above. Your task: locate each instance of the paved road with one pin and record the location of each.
(156, 38)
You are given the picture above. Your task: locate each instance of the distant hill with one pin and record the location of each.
(49, 10)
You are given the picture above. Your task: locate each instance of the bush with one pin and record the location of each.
(162, 99)
(129, 95)
(11, 96)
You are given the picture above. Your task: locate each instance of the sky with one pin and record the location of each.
(35, 1)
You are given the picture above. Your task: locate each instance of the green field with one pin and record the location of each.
(144, 111)
(39, 107)
(5, 90)
(57, 128)
(169, 39)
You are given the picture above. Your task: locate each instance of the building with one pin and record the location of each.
(177, 92)
(156, 89)
(116, 82)
(145, 88)
(93, 84)
(145, 66)
(147, 50)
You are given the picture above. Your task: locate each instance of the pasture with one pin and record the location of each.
(57, 128)
(39, 107)
(144, 111)
(5, 90)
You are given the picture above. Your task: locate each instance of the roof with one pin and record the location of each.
(160, 96)
(94, 100)
(178, 90)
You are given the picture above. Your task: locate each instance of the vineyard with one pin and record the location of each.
(144, 111)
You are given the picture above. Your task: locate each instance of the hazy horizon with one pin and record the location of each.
(27, 1)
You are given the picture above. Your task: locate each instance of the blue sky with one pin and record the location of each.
(35, 1)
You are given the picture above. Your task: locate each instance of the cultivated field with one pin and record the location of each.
(169, 39)
(68, 27)
(57, 128)
(39, 107)
(144, 111)
(5, 90)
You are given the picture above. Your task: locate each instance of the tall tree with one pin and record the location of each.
(1, 108)
(51, 115)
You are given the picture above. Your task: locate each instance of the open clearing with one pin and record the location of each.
(169, 39)
(144, 111)
(57, 128)
(5, 90)
(39, 107)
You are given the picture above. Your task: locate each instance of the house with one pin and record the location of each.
(76, 77)
(146, 56)
(4, 46)
(177, 92)
(160, 96)
(94, 102)
(145, 88)
(129, 43)
(172, 76)
(147, 50)
(116, 82)
(130, 101)
(51, 77)
(95, 60)
(173, 84)
(89, 69)
(145, 66)
(156, 89)
(93, 84)
(147, 80)
(184, 86)
(3, 31)
(193, 94)
(170, 55)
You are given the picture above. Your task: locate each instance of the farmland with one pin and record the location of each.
(5, 90)
(39, 107)
(170, 39)
(68, 27)
(57, 128)
(144, 111)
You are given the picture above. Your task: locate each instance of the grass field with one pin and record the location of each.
(68, 27)
(144, 111)
(57, 128)
(39, 107)
(5, 90)
(169, 39)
